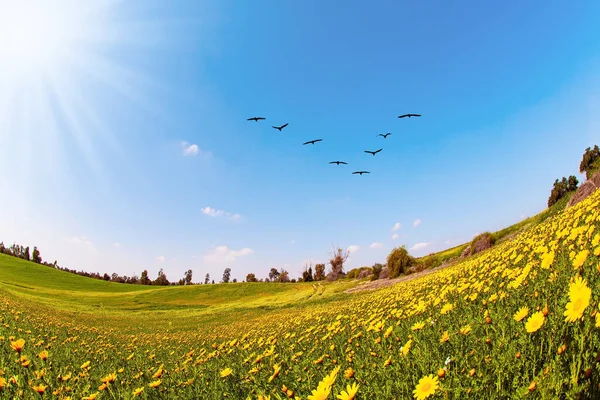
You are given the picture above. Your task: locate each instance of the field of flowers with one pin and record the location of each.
(518, 321)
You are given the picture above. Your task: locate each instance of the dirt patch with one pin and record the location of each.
(586, 189)
(381, 283)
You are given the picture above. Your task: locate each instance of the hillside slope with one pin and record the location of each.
(519, 320)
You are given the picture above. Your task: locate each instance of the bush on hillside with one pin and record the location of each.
(377, 268)
(590, 162)
(561, 188)
(355, 272)
(428, 262)
(399, 261)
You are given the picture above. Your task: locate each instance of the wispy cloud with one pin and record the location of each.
(397, 226)
(193, 150)
(213, 212)
(223, 254)
(117, 244)
(376, 245)
(353, 248)
(81, 241)
(160, 259)
(417, 222)
(419, 246)
(395, 236)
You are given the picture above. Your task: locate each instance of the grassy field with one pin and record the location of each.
(520, 320)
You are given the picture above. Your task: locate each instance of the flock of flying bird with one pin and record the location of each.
(384, 135)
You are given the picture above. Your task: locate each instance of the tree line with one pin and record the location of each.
(337, 260)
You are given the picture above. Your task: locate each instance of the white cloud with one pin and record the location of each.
(353, 248)
(160, 259)
(223, 254)
(193, 150)
(213, 212)
(419, 246)
(397, 226)
(395, 236)
(117, 244)
(81, 241)
(417, 222)
(376, 245)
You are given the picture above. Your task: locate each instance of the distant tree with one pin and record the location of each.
(213, 281)
(161, 279)
(319, 272)
(284, 276)
(144, 280)
(293, 280)
(37, 258)
(561, 188)
(307, 274)
(26, 255)
(572, 183)
(226, 275)
(337, 260)
(181, 282)
(114, 277)
(106, 277)
(234, 280)
(398, 261)
(590, 162)
(188, 277)
(251, 278)
(273, 274)
(206, 279)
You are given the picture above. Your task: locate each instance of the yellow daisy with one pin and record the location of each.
(579, 299)
(535, 322)
(349, 393)
(522, 313)
(580, 259)
(426, 387)
(226, 372)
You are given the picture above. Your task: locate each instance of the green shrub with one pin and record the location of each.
(399, 261)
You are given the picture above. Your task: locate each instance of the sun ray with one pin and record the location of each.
(55, 52)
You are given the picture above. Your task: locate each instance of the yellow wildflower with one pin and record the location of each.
(426, 387)
(350, 392)
(535, 322)
(579, 299)
(522, 313)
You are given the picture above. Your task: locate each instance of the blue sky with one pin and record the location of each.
(125, 144)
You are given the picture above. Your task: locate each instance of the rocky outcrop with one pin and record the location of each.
(480, 243)
(384, 274)
(583, 191)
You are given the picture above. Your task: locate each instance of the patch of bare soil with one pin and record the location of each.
(381, 283)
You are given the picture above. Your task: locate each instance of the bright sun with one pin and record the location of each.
(60, 70)
(35, 36)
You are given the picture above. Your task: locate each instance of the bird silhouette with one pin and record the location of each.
(281, 127)
(255, 119)
(312, 141)
(373, 152)
(360, 172)
(338, 162)
(384, 136)
(409, 115)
